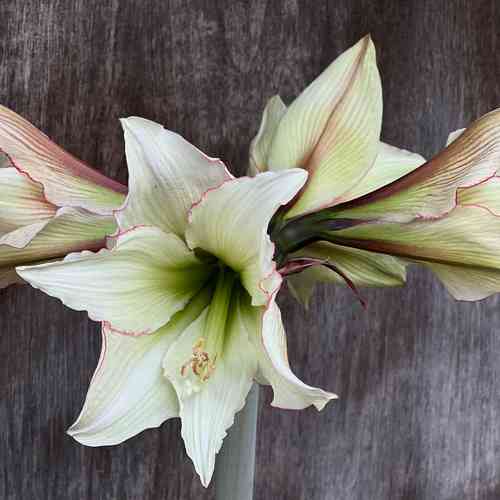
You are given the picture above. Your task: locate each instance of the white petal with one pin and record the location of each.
(454, 135)
(167, 175)
(261, 143)
(332, 129)
(70, 230)
(66, 180)
(128, 392)
(22, 202)
(231, 223)
(391, 164)
(208, 413)
(268, 336)
(136, 287)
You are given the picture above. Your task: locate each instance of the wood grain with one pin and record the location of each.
(418, 374)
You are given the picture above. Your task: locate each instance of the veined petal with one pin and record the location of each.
(364, 269)
(462, 247)
(136, 287)
(167, 175)
(430, 190)
(231, 223)
(391, 164)
(261, 143)
(268, 337)
(128, 392)
(332, 129)
(207, 411)
(485, 194)
(66, 180)
(70, 230)
(22, 202)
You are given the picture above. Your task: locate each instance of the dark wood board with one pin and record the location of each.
(418, 374)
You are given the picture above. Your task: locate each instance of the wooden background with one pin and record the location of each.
(418, 374)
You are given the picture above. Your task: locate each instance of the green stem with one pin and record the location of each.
(295, 234)
(235, 464)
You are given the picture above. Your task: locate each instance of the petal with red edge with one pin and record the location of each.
(128, 392)
(267, 334)
(66, 180)
(332, 129)
(430, 190)
(391, 164)
(231, 223)
(136, 287)
(485, 194)
(167, 175)
(22, 201)
(70, 230)
(462, 247)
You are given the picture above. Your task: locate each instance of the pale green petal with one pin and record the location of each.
(261, 143)
(128, 392)
(466, 283)
(430, 190)
(364, 269)
(66, 180)
(22, 202)
(391, 164)
(136, 287)
(208, 410)
(231, 223)
(332, 129)
(167, 175)
(462, 247)
(485, 194)
(70, 230)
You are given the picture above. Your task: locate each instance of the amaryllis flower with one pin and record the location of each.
(51, 203)
(332, 130)
(369, 208)
(186, 296)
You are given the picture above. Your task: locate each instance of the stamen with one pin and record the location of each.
(200, 363)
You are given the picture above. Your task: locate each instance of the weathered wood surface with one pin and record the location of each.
(418, 374)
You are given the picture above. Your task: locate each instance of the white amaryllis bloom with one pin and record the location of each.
(186, 296)
(51, 203)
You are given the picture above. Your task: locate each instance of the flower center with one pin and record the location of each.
(209, 347)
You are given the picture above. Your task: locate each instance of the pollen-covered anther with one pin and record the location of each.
(200, 363)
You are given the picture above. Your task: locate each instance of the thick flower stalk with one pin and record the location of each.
(51, 203)
(368, 208)
(186, 297)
